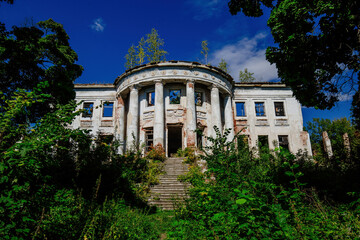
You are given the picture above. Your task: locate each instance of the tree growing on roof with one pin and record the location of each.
(246, 76)
(223, 65)
(149, 50)
(155, 53)
(205, 50)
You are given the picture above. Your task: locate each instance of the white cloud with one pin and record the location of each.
(246, 53)
(344, 97)
(205, 9)
(98, 25)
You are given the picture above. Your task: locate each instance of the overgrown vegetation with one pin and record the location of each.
(244, 196)
(59, 183)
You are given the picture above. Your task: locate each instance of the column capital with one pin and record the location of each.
(158, 81)
(134, 87)
(190, 80)
(212, 86)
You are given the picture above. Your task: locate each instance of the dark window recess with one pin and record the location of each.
(284, 141)
(263, 142)
(243, 141)
(175, 96)
(240, 109)
(108, 109)
(259, 109)
(88, 107)
(279, 109)
(149, 140)
(199, 138)
(105, 139)
(150, 98)
(198, 98)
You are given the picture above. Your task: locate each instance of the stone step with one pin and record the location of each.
(170, 190)
(171, 184)
(165, 196)
(173, 191)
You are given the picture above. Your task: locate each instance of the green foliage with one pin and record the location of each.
(188, 153)
(130, 58)
(156, 153)
(224, 66)
(150, 48)
(241, 196)
(245, 76)
(155, 53)
(114, 220)
(317, 46)
(35, 54)
(335, 129)
(205, 50)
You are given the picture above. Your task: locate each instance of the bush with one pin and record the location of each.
(243, 196)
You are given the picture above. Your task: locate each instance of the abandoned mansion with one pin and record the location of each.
(164, 103)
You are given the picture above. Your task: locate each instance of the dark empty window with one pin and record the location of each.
(88, 107)
(243, 141)
(263, 142)
(150, 98)
(259, 109)
(199, 138)
(279, 109)
(240, 109)
(284, 141)
(108, 109)
(149, 135)
(175, 96)
(198, 98)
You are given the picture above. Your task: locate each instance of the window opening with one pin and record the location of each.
(88, 107)
(259, 109)
(175, 96)
(149, 140)
(263, 142)
(243, 141)
(150, 97)
(240, 109)
(279, 109)
(284, 141)
(108, 109)
(198, 99)
(199, 138)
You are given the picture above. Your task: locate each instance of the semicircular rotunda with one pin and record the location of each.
(164, 103)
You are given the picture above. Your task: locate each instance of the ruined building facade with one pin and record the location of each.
(165, 103)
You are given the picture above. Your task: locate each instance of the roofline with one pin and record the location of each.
(171, 63)
(93, 85)
(261, 84)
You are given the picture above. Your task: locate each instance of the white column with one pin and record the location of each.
(159, 124)
(229, 117)
(132, 118)
(120, 123)
(215, 109)
(190, 114)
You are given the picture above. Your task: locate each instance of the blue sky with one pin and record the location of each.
(102, 32)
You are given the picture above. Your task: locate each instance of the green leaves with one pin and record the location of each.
(149, 48)
(240, 201)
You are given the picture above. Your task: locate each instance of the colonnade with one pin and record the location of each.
(132, 121)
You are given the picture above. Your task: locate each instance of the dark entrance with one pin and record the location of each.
(174, 139)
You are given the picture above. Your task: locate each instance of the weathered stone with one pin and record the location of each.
(133, 118)
(139, 118)
(347, 146)
(159, 125)
(327, 144)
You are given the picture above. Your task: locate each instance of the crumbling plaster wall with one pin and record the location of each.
(271, 125)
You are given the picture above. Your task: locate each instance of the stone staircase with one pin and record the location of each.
(170, 190)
